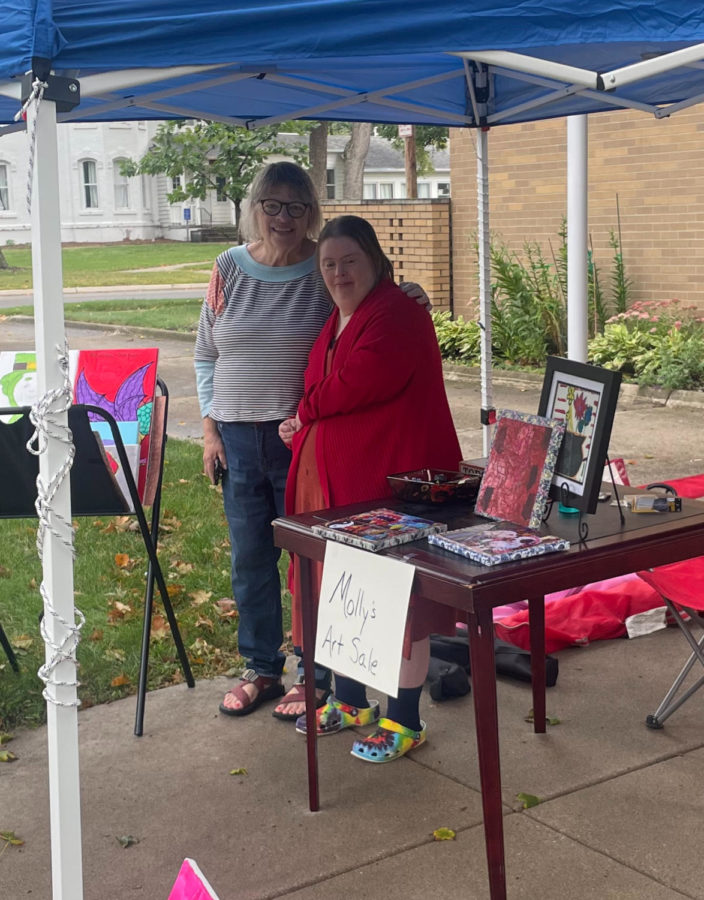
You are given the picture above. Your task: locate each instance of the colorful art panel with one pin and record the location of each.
(583, 397)
(516, 481)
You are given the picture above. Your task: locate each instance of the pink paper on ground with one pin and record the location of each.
(191, 884)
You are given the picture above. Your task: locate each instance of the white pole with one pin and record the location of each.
(57, 558)
(577, 293)
(484, 241)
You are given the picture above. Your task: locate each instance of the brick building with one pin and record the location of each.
(654, 169)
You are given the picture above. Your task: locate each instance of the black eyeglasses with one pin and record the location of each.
(295, 208)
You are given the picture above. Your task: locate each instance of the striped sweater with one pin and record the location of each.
(257, 326)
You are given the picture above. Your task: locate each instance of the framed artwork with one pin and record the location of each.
(584, 398)
(516, 482)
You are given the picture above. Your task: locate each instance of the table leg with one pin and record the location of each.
(483, 666)
(536, 618)
(309, 675)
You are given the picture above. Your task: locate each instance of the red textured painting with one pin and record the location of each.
(521, 463)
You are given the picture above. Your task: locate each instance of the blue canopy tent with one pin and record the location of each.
(450, 62)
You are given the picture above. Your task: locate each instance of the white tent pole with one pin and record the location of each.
(57, 557)
(577, 295)
(484, 241)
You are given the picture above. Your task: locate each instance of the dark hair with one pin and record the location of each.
(360, 231)
(281, 174)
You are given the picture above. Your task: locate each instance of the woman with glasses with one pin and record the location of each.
(265, 306)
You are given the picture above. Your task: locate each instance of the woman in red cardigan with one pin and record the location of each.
(374, 403)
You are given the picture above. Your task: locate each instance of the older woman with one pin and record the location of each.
(374, 403)
(264, 308)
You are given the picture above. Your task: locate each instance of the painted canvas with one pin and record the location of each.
(584, 398)
(120, 381)
(516, 481)
(123, 383)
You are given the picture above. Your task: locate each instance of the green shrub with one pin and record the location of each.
(458, 340)
(656, 342)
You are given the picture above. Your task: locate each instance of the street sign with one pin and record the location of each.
(405, 131)
(187, 213)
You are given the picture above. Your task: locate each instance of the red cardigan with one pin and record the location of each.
(383, 408)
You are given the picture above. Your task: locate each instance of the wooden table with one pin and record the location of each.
(643, 541)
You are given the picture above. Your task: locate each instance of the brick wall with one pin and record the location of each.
(654, 168)
(414, 234)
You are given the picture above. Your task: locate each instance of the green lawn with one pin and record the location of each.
(172, 315)
(102, 265)
(109, 582)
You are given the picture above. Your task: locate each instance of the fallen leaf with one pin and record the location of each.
(226, 608)
(444, 834)
(122, 560)
(22, 642)
(183, 568)
(11, 838)
(4, 573)
(127, 840)
(200, 597)
(205, 622)
(96, 635)
(549, 720)
(5, 738)
(120, 681)
(528, 800)
(173, 589)
(33, 582)
(115, 653)
(159, 629)
(183, 481)
(240, 771)
(123, 608)
(7, 756)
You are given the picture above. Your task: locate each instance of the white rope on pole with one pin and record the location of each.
(38, 88)
(43, 416)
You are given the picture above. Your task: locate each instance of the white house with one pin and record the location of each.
(98, 204)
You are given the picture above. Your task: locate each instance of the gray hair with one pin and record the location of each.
(276, 175)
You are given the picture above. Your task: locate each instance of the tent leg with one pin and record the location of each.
(577, 234)
(484, 284)
(57, 558)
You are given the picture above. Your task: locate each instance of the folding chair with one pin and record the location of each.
(95, 493)
(682, 588)
(9, 652)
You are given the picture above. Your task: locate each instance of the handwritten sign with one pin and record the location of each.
(362, 615)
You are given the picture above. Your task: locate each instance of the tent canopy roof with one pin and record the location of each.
(368, 60)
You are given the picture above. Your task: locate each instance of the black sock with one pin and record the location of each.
(351, 692)
(404, 708)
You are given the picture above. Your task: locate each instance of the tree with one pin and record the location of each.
(318, 155)
(207, 156)
(3, 262)
(354, 156)
(427, 136)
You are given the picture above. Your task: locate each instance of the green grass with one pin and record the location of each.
(172, 315)
(102, 265)
(194, 554)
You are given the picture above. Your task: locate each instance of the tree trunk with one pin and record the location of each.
(3, 262)
(354, 156)
(318, 156)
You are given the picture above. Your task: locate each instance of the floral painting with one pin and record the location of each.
(583, 397)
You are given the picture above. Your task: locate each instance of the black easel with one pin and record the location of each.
(94, 492)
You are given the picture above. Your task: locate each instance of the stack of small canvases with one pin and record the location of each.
(121, 382)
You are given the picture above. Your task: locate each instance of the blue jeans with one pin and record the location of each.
(253, 490)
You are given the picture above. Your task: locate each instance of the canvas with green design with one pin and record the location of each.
(120, 381)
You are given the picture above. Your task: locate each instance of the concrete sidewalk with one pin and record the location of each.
(622, 806)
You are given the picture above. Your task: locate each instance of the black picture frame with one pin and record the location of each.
(584, 397)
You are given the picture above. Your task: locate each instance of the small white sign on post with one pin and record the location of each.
(405, 131)
(362, 615)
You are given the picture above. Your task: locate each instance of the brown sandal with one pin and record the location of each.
(296, 695)
(267, 689)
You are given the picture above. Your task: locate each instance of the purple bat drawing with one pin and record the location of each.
(130, 395)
